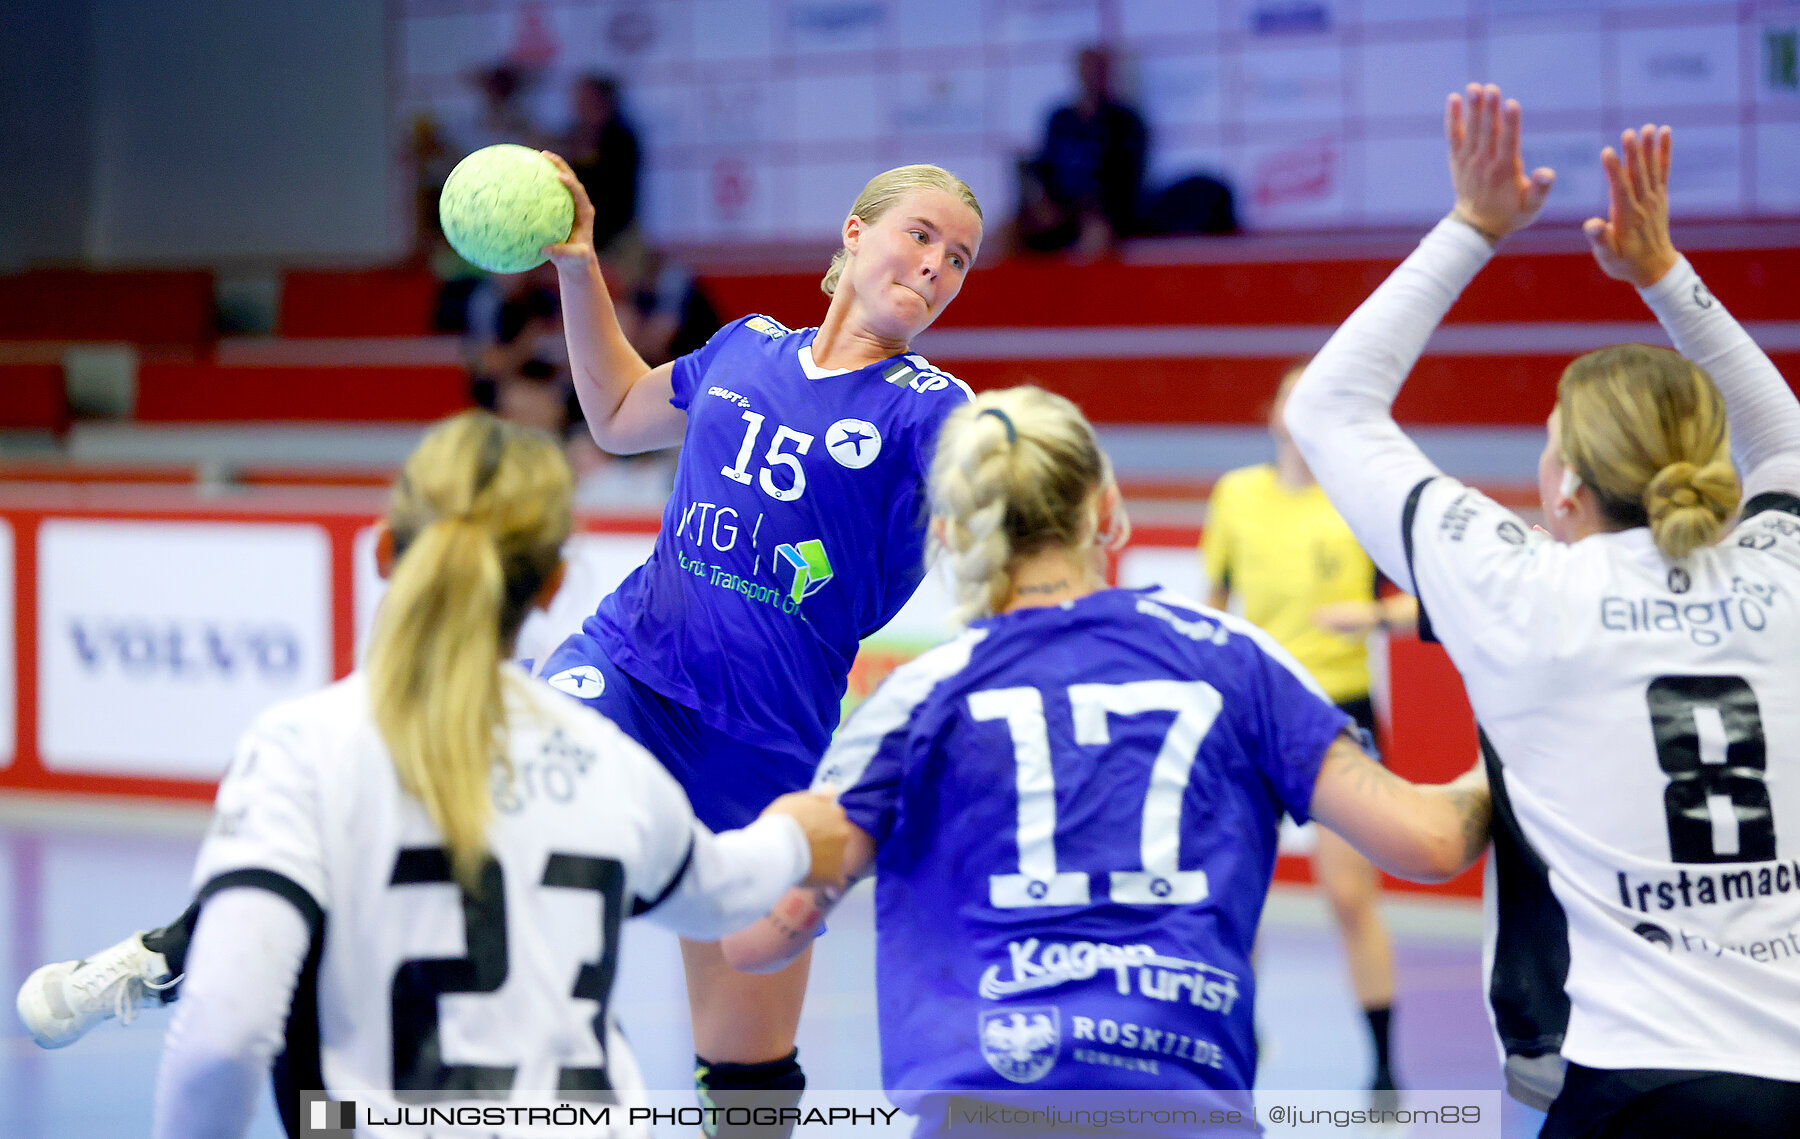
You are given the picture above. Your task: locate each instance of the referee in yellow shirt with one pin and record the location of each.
(1276, 551)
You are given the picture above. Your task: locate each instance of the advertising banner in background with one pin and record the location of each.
(159, 641)
(760, 120)
(597, 564)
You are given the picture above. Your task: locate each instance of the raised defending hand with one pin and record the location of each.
(1632, 244)
(827, 831)
(579, 245)
(1493, 192)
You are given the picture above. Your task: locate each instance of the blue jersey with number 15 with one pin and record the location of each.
(796, 528)
(1075, 813)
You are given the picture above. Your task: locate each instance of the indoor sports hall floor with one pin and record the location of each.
(74, 880)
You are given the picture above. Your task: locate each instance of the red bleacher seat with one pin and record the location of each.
(357, 302)
(173, 393)
(143, 306)
(33, 395)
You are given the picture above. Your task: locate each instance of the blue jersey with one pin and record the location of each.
(795, 529)
(1075, 811)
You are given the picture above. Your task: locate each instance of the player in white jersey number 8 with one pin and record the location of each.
(1634, 674)
(1085, 783)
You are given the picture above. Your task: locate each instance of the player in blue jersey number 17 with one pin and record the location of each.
(1073, 805)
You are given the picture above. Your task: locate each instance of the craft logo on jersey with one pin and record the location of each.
(584, 682)
(854, 443)
(809, 567)
(1021, 1043)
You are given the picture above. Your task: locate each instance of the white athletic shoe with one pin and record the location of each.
(61, 1001)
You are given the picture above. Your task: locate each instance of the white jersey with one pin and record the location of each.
(1640, 718)
(411, 988)
(1641, 726)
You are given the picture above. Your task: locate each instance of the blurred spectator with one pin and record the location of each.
(432, 155)
(502, 116)
(1081, 189)
(435, 149)
(1198, 203)
(661, 307)
(518, 364)
(602, 149)
(517, 359)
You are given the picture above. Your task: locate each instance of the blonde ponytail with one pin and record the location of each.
(479, 517)
(1014, 473)
(1645, 428)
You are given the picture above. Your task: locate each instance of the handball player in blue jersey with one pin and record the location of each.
(796, 528)
(1072, 806)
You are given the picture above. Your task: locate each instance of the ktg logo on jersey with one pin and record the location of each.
(803, 568)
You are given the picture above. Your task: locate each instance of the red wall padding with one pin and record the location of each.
(149, 306)
(1500, 391)
(1052, 293)
(208, 392)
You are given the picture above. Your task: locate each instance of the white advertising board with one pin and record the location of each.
(159, 641)
(597, 564)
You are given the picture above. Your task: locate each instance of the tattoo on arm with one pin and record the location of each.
(1467, 796)
(796, 915)
(1474, 809)
(1365, 775)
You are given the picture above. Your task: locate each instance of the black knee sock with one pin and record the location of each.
(751, 1101)
(1379, 1022)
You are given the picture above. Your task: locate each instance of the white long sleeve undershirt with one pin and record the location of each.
(1340, 413)
(1762, 410)
(242, 966)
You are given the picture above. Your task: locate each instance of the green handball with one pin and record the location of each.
(502, 205)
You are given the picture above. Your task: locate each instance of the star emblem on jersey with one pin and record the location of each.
(854, 443)
(584, 682)
(805, 565)
(1021, 1043)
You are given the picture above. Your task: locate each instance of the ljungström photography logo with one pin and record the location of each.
(320, 1117)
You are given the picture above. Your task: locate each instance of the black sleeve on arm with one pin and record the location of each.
(640, 907)
(1407, 515)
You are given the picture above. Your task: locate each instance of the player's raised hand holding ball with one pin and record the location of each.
(578, 243)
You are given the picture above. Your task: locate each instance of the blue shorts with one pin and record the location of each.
(727, 781)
